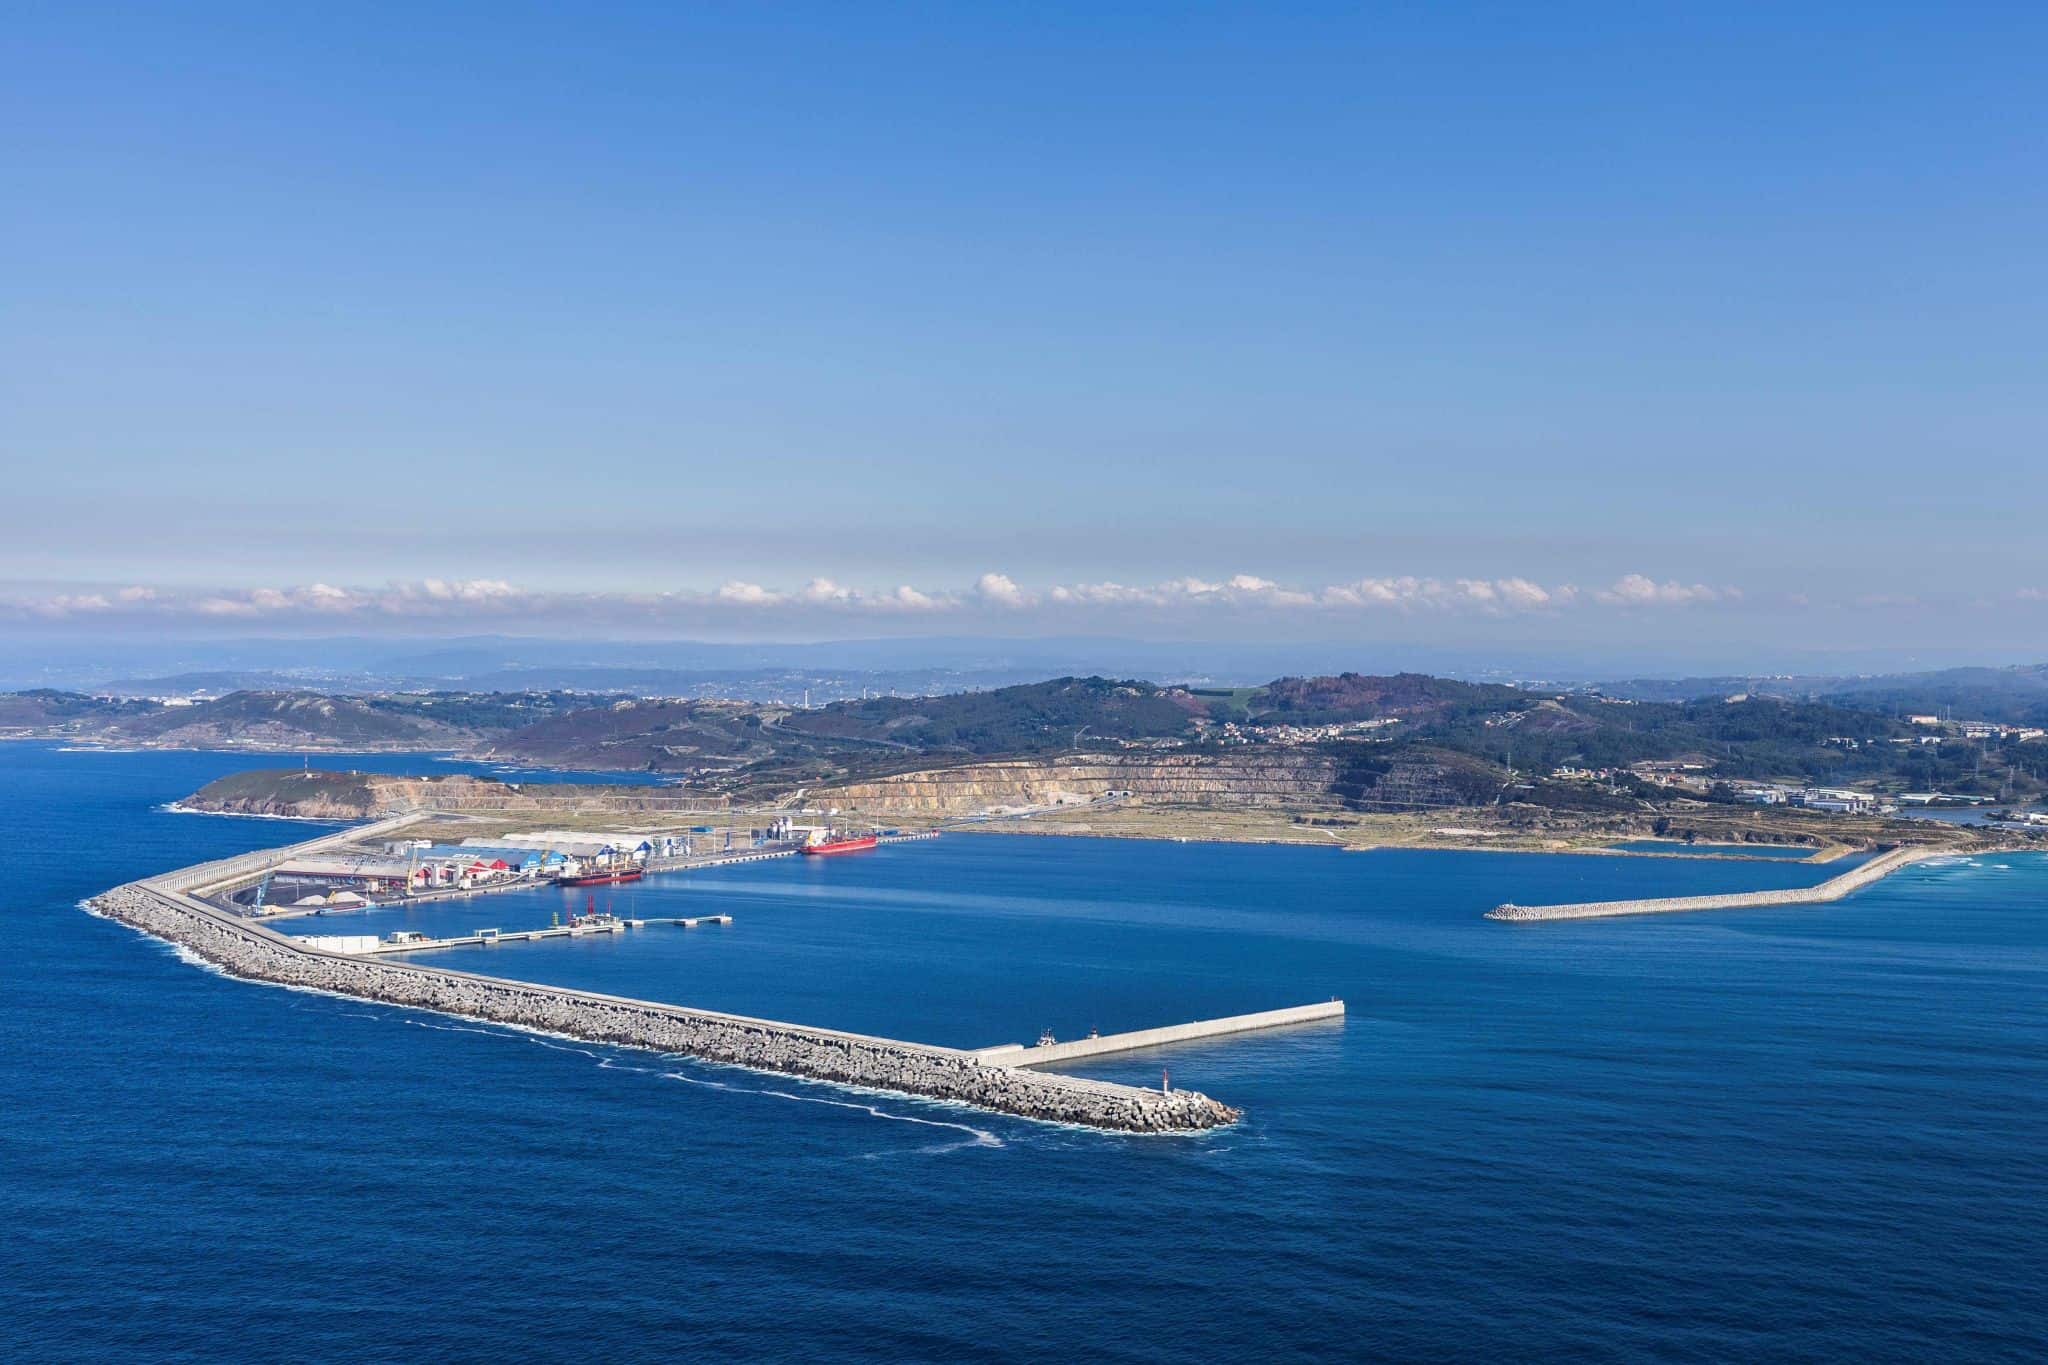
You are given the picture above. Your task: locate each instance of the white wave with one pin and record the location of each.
(192, 959)
(177, 950)
(977, 1137)
(558, 1042)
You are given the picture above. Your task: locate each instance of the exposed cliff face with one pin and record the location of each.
(1265, 776)
(1268, 777)
(307, 808)
(289, 792)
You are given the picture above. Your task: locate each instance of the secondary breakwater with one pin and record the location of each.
(1096, 1045)
(1833, 889)
(168, 908)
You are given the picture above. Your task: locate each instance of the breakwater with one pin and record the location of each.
(162, 907)
(1833, 889)
(1045, 1053)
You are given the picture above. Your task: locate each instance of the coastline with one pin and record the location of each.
(1818, 855)
(180, 808)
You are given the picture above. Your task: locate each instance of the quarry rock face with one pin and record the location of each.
(371, 795)
(1266, 777)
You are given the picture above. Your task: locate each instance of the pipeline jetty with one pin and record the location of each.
(170, 908)
(1833, 889)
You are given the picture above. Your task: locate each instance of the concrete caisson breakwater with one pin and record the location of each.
(1097, 1045)
(1832, 889)
(244, 949)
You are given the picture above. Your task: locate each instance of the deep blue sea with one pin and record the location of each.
(1814, 1133)
(1682, 849)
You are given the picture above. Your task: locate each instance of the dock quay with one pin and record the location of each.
(497, 888)
(1833, 889)
(168, 907)
(1044, 1053)
(716, 860)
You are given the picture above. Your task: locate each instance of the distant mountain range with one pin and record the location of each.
(481, 663)
(1369, 726)
(2018, 694)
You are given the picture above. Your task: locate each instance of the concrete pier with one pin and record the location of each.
(1016, 1054)
(484, 937)
(691, 864)
(1832, 889)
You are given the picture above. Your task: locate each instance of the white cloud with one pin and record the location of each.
(1371, 592)
(1640, 590)
(71, 604)
(1001, 590)
(322, 597)
(464, 590)
(825, 590)
(1101, 594)
(907, 598)
(494, 599)
(1251, 587)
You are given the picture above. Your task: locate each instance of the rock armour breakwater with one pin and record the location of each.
(1833, 889)
(253, 952)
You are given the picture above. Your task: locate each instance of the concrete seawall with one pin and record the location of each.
(162, 907)
(1832, 889)
(1016, 1054)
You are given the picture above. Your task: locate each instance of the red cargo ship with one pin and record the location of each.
(627, 874)
(844, 844)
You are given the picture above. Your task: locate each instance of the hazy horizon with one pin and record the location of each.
(500, 660)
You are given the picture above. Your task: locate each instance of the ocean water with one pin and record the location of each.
(1682, 849)
(1809, 1133)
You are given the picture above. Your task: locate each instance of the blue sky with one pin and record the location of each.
(654, 317)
